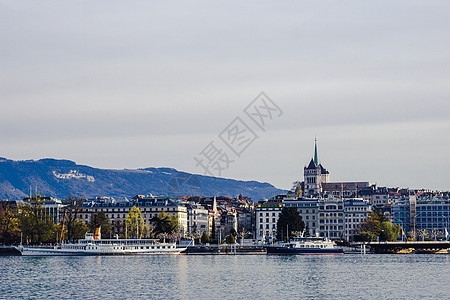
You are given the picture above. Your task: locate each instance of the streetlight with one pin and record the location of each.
(415, 216)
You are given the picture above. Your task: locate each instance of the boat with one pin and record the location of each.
(305, 246)
(95, 245)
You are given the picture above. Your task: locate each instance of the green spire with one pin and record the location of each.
(316, 159)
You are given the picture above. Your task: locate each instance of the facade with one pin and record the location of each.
(197, 219)
(334, 218)
(433, 215)
(245, 222)
(403, 212)
(308, 209)
(343, 189)
(117, 211)
(379, 197)
(356, 211)
(267, 214)
(54, 209)
(331, 218)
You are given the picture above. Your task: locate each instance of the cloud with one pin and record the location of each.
(117, 84)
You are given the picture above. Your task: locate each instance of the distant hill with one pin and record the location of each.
(61, 178)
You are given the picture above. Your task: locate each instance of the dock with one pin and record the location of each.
(224, 249)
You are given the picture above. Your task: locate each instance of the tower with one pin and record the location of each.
(314, 175)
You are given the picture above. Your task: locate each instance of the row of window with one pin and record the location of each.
(335, 221)
(433, 207)
(142, 209)
(331, 227)
(331, 207)
(331, 215)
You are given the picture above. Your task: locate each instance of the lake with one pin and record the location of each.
(226, 277)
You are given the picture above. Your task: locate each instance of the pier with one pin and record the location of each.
(224, 249)
(410, 247)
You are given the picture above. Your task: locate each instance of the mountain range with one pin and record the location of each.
(61, 178)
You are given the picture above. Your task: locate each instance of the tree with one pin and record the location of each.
(205, 238)
(289, 221)
(73, 227)
(174, 224)
(377, 227)
(79, 229)
(37, 227)
(164, 224)
(9, 225)
(230, 239)
(389, 232)
(100, 219)
(135, 223)
(423, 233)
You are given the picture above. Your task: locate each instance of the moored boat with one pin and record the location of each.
(305, 246)
(98, 246)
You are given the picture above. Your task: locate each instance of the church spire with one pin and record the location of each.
(316, 158)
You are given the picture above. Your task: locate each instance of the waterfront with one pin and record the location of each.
(226, 277)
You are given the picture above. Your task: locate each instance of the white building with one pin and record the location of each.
(356, 211)
(267, 214)
(150, 207)
(197, 219)
(331, 218)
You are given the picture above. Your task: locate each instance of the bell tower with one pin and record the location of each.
(314, 175)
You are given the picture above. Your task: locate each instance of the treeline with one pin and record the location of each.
(30, 224)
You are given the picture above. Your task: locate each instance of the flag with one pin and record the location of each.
(402, 232)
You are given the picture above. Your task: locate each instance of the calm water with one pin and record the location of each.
(226, 277)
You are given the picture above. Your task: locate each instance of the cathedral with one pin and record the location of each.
(314, 176)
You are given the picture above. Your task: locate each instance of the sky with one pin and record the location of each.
(136, 84)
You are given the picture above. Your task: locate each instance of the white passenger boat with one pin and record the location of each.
(305, 246)
(98, 246)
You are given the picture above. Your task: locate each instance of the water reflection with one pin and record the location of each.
(226, 277)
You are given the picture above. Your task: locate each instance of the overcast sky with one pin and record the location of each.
(135, 84)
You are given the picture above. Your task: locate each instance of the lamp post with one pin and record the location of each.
(415, 216)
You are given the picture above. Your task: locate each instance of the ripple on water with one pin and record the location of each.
(226, 277)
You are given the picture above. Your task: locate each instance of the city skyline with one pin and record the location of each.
(115, 85)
